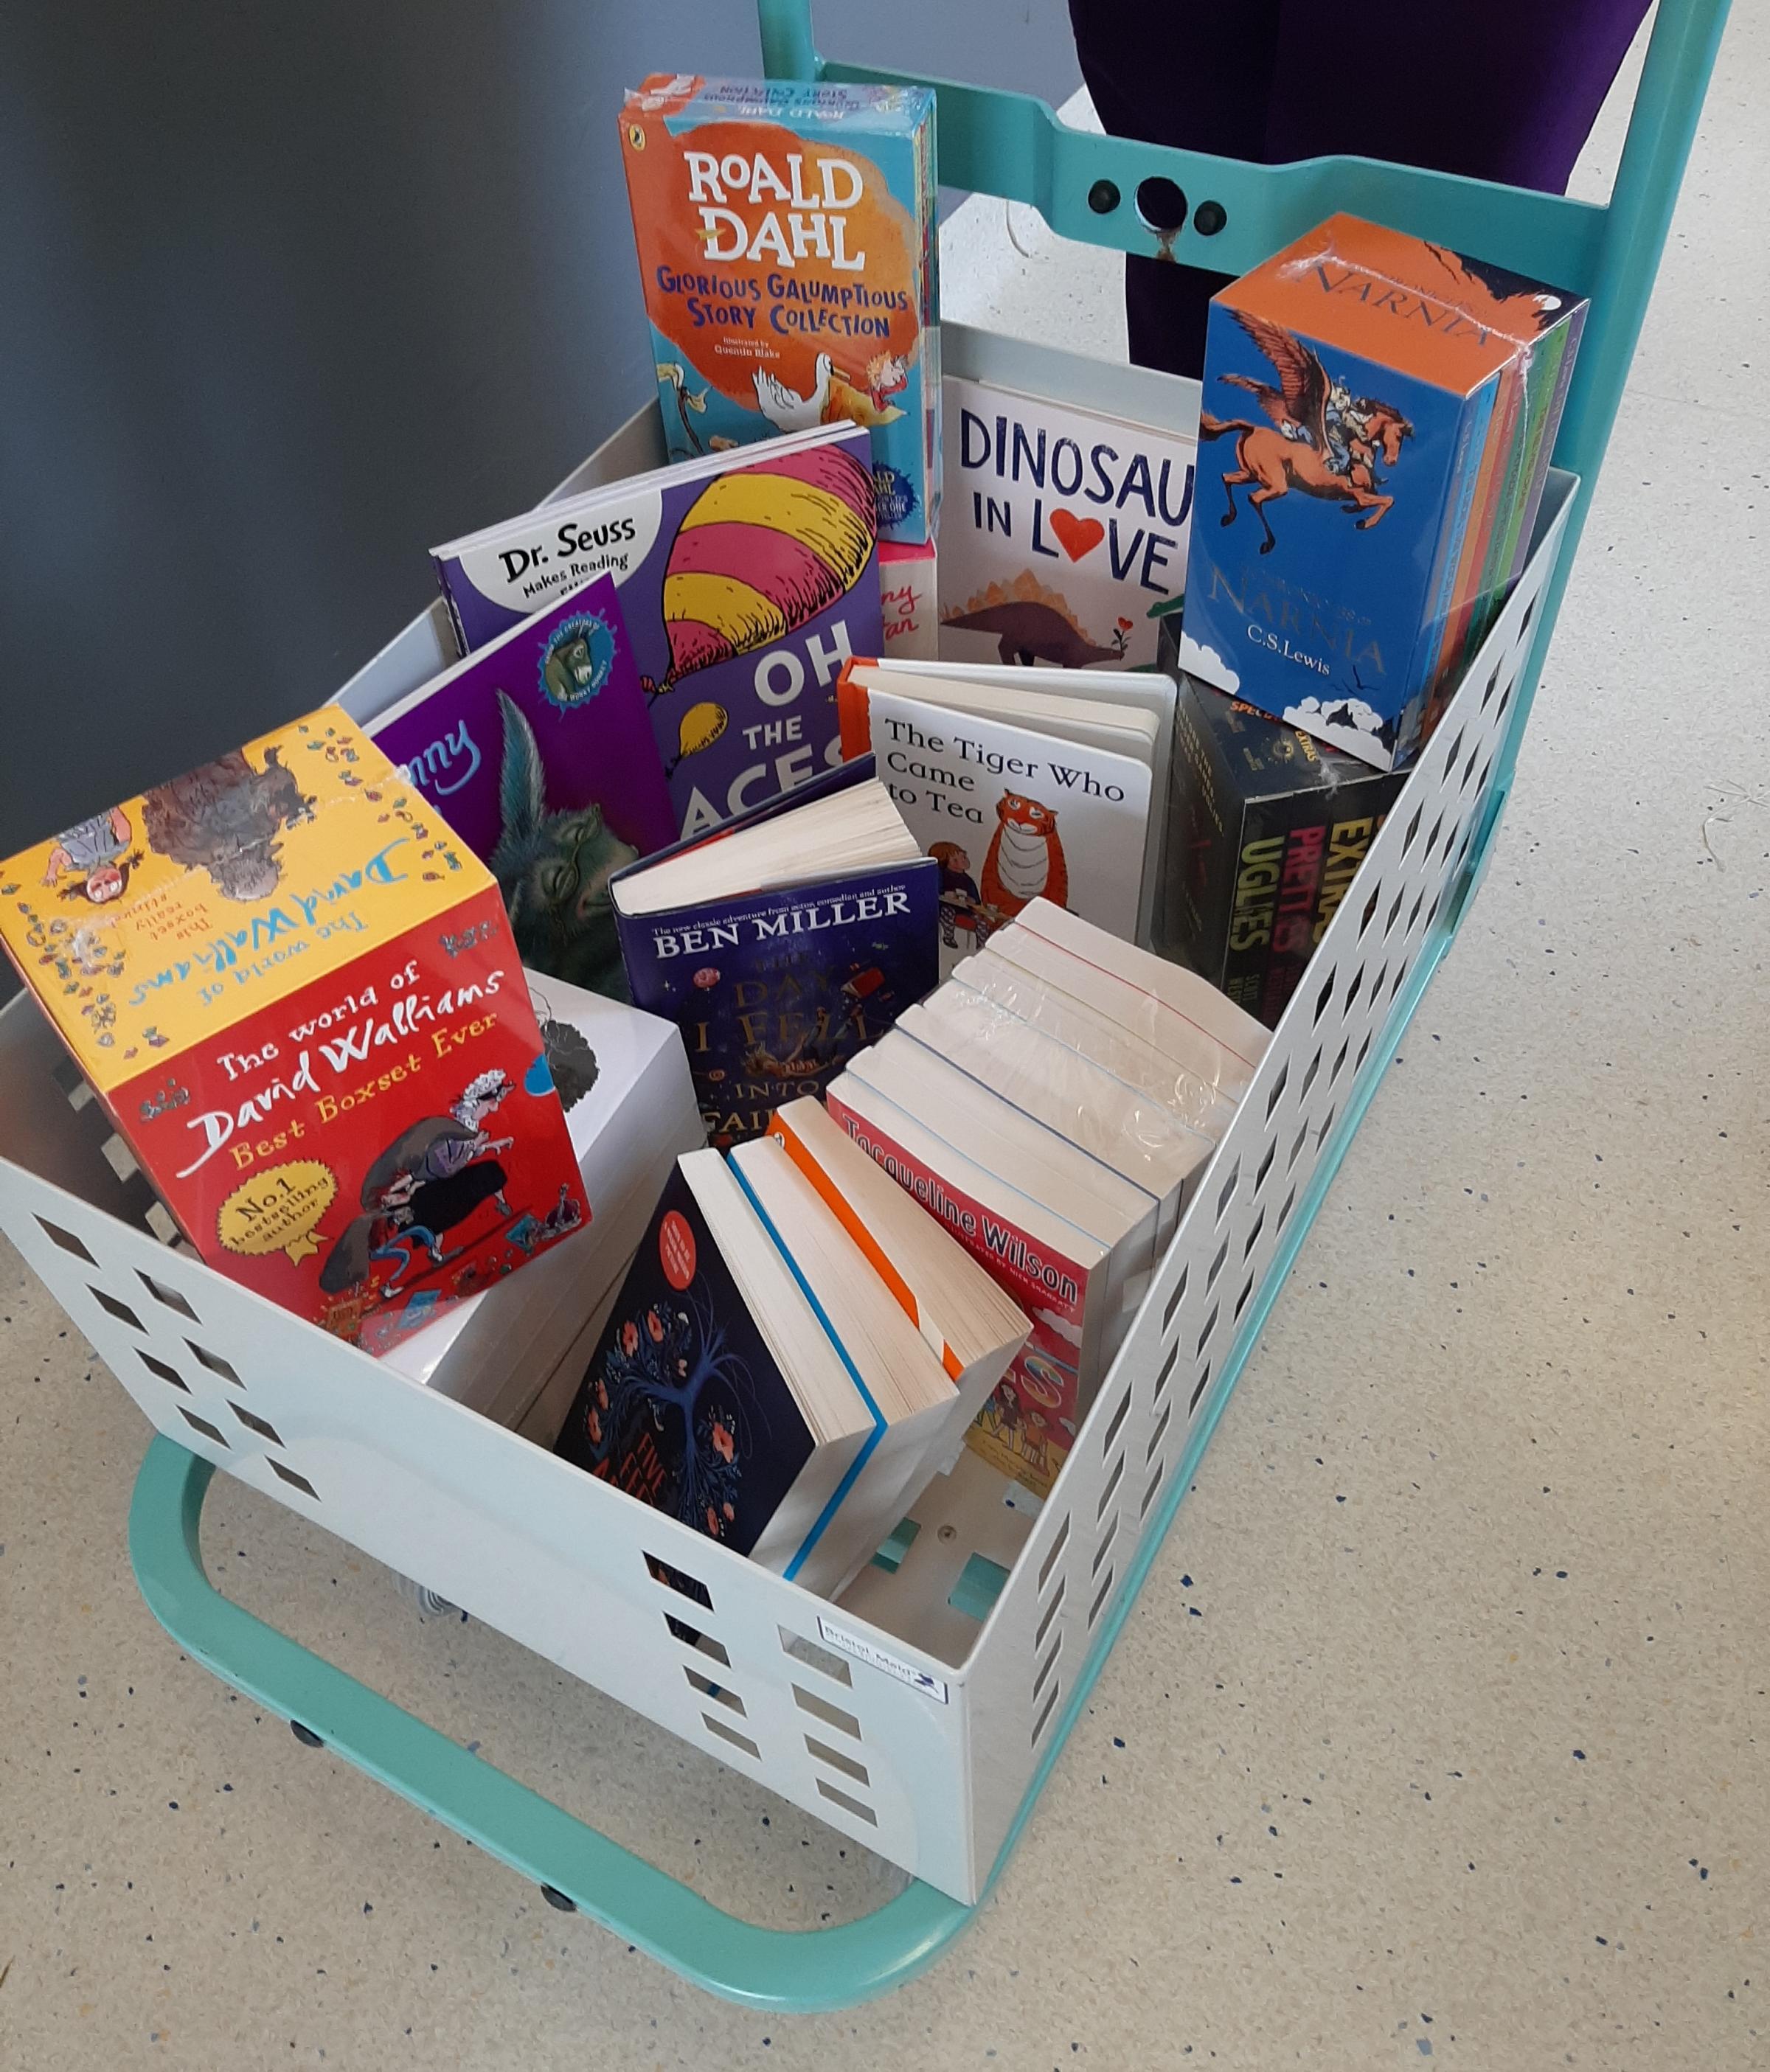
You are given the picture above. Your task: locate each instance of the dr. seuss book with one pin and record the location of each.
(786, 238)
(1377, 416)
(296, 992)
(714, 1394)
(746, 579)
(1009, 812)
(538, 749)
(782, 945)
(1270, 827)
(1063, 535)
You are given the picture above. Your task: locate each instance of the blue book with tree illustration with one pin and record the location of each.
(538, 752)
(716, 1393)
(781, 945)
(747, 579)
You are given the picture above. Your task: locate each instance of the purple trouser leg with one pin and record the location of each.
(1500, 89)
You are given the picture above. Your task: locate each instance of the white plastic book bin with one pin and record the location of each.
(896, 1718)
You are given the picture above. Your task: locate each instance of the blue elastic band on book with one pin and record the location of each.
(818, 1311)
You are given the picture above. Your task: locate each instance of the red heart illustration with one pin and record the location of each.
(1077, 536)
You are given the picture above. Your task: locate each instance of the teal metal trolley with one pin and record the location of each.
(1376, 967)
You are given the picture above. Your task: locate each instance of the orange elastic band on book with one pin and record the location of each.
(843, 1209)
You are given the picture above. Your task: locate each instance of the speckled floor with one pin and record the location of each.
(1464, 1758)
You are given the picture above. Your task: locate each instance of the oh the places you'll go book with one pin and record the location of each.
(747, 578)
(782, 945)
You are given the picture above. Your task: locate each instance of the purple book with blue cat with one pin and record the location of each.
(538, 751)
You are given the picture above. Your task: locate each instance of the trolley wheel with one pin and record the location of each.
(305, 1735)
(431, 1604)
(555, 1897)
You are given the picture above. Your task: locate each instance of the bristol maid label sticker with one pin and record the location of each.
(863, 1650)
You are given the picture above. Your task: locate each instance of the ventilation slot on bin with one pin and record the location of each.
(1050, 1561)
(693, 1637)
(731, 1734)
(289, 1475)
(1174, 1300)
(1100, 1596)
(1111, 1489)
(1048, 1614)
(823, 1659)
(1100, 1551)
(67, 1240)
(709, 1689)
(169, 1296)
(1048, 1707)
(263, 1429)
(837, 1760)
(820, 1708)
(1045, 1668)
(215, 1363)
(858, 1807)
(166, 1373)
(120, 1310)
(674, 1578)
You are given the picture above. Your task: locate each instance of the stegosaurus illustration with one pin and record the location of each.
(1032, 624)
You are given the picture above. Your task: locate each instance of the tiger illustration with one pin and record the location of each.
(1026, 859)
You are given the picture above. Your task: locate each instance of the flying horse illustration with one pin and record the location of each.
(1322, 440)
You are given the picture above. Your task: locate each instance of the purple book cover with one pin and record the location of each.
(538, 751)
(774, 991)
(745, 584)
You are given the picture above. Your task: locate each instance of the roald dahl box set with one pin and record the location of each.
(1377, 422)
(786, 241)
(296, 994)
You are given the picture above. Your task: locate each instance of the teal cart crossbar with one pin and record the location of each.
(945, 1747)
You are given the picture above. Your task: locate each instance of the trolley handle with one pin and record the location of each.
(1112, 191)
(573, 1863)
(1229, 213)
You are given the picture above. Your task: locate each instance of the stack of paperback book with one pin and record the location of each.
(1053, 1104)
(796, 1349)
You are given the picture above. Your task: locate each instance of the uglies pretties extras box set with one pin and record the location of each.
(296, 994)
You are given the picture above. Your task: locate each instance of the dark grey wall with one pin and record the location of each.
(288, 292)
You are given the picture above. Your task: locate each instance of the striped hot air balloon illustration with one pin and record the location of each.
(761, 550)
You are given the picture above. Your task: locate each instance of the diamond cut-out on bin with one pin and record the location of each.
(66, 1239)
